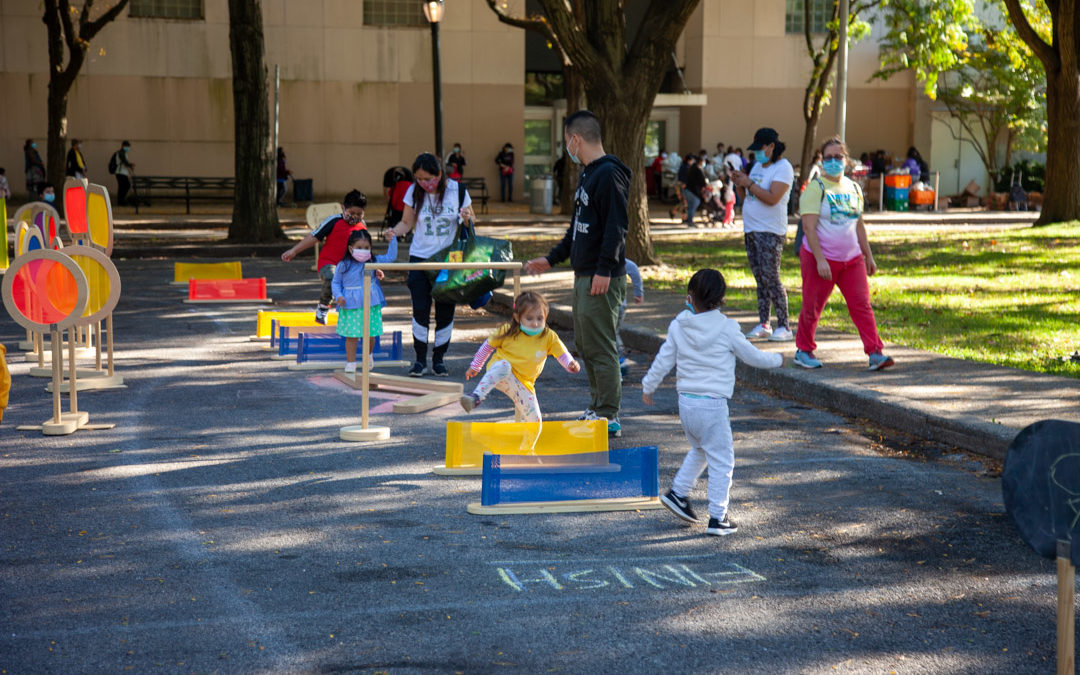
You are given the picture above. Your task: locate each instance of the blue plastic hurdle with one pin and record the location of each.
(627, 480)
(285, 340)
(314, 347)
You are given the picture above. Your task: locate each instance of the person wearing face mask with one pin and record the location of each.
(595, 243)
(48, 193)
(455, 162)
(120, 165)
(76, 164)
(35, 169)
(766, 190)
(435, 206)
(835, 252)
(350, 275)
(505, 162)
(334, 234)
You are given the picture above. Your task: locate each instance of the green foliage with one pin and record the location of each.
(1033, 176)
(928, 38)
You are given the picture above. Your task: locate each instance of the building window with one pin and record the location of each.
(394, 13)
(820, 13)
(166, 9)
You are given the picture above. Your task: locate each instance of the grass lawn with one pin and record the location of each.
(1004, 296)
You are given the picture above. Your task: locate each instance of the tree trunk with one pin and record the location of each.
(808, 146)
(1061, 197)
(575, 100)
(55, 157)
(254, 217)
(624, 117)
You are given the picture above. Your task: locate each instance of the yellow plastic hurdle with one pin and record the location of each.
(223, 270)
(265, 317)
(467, 442)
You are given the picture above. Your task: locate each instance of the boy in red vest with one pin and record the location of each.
(334, 234)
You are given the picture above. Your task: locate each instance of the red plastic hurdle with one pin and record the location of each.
(227, 290)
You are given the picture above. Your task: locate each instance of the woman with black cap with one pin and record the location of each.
(766, 190)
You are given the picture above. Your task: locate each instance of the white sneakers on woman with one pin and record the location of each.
(763, 331)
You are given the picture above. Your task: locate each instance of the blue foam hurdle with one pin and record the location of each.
(629, 473)
(314, 347)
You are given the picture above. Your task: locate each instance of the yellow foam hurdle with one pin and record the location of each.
(223, 270)
(466, 442)
(264, 317)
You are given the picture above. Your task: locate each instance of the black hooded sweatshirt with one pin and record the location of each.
(595, 242)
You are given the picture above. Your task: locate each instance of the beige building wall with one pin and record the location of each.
(755, 75)
(354, 100)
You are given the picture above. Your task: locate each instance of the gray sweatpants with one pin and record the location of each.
(708, 430)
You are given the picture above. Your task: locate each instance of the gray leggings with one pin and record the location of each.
(764, 250)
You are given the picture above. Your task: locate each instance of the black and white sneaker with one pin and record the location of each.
(679, 506)
(721, 527)
(588, 416)
(320, 314)
(417, 369)
(440, 369)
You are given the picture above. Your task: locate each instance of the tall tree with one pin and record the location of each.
(823, 60)
(976, 66)
(1059, 53)
(573, 86)
(65, 34)
(622, 75)
(254, 217)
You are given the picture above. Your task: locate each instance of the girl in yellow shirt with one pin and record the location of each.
(521, 348)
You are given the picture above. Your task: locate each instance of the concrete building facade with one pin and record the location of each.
(356, 89)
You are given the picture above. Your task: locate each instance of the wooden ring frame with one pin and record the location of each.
(98, 209)
(24, 233)
(105, 263)
(81, 285)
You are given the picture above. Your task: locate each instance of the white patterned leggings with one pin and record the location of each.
(500, 376)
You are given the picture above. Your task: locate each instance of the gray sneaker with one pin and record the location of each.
(879, 361)
(721, 528)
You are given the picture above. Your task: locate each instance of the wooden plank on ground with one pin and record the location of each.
(569, 506)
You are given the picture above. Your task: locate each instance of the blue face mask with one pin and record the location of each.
(690, 307)
(572, 156)
(833, 167)
(532, 332)
(49, 197)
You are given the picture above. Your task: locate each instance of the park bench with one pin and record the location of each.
(477, 188)
(148, 188)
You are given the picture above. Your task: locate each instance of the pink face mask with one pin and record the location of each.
(428, 185)
(361, 254)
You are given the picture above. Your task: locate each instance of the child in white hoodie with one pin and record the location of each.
(703, 344)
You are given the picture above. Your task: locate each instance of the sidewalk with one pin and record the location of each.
(974, 406)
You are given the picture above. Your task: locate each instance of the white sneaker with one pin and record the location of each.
(782, 334)
(759, 331)
(350, 367)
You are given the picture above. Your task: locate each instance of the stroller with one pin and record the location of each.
(1017, 197)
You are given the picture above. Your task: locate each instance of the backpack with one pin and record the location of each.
(114, 162)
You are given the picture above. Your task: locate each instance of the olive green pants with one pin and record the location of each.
(595, 321)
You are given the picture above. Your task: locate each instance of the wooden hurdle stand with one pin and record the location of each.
(364, 431)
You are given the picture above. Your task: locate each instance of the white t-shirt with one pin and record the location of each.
(436, 224)
(759, 216)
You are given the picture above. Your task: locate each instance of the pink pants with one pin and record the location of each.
(851, 278)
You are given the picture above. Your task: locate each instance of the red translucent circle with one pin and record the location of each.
(44, 291)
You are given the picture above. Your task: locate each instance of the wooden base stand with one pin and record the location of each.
(359, 433)
(571, 506)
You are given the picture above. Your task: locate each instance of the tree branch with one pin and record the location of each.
(94, 27)
(64, 10)
(1049, 56)
(537, 24)
(661, 26)
(574, 40)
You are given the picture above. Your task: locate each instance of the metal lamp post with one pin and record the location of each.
(433, 11)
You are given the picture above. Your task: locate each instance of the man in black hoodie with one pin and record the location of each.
(595, 244)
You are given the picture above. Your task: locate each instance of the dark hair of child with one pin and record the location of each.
(1, 171)
(430, 164)
(355, 236)
(707, 289)
(355, 198)
(523, 303)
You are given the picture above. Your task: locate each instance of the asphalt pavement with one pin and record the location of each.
(223, 527)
